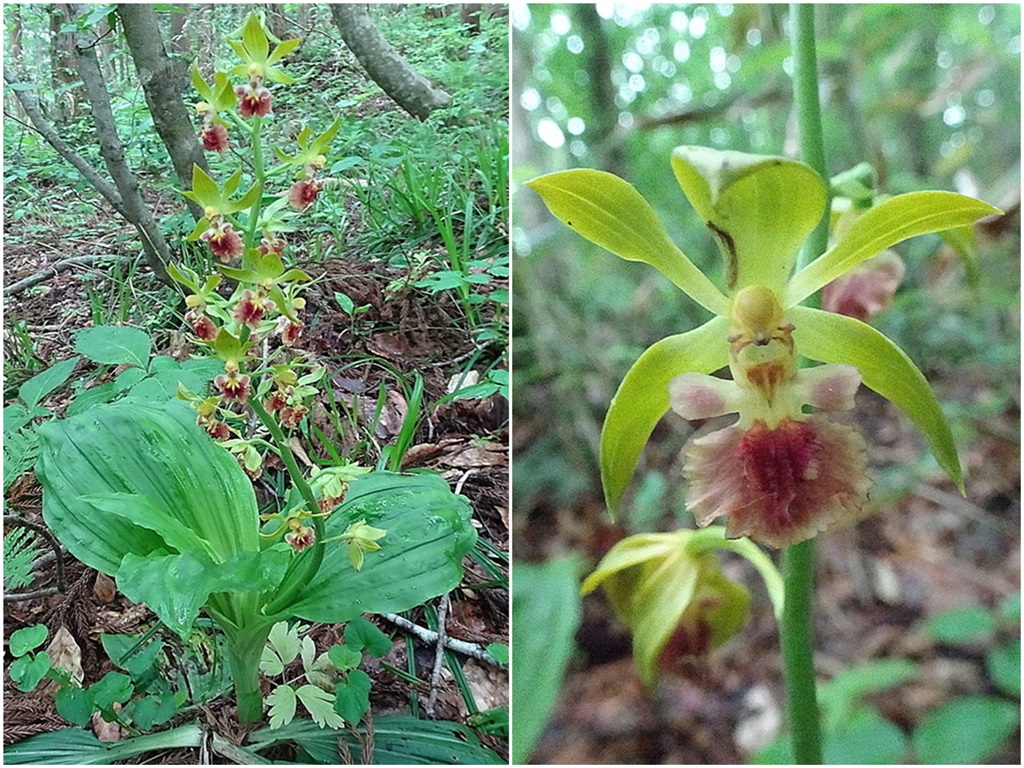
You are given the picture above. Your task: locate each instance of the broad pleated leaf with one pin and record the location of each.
(142, 512)
(611, 213)
(397, 740)
(642, 399)
(74, 746)
(885, 368)
(546, 595)
(428, 533)
(176, 587)
(760, 209)
(888, 223)
(158, 453)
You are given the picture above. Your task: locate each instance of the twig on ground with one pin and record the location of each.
(54, 269)
(473, 650)
(435, 676)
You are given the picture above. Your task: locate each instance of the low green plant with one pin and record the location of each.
(969, 729)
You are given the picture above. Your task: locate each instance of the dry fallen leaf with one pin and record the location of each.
(104, 588)
(108, 733)
(65, 654)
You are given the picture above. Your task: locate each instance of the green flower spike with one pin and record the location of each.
(779, 475)
(670, 590)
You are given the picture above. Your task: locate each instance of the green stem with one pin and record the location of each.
(244, 651)
(808, 114)
(304, 567)
(795, 629)
(258, 172)
(798, 653)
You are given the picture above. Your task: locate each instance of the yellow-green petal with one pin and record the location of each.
(885, 368)
(759, 208)
(657, 606)
(630, 552)
(881, 227)
(643, 398)
(612, 214)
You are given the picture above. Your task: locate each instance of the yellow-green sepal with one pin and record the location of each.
(759, 208)
(612, 214)
(884, 225)
(885, 368)
(662, 584)
(643, 398)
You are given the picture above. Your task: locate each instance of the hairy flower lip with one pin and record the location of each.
(779, 486)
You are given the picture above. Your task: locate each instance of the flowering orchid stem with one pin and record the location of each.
(795, 630)
(258, 173)
(808, 113)
(305, 566)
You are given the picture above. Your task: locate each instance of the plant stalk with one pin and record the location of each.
(309, 562)
(244, 652)
(796, 633)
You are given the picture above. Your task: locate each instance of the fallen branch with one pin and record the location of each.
(429, 637)
(54, 269)
(435, 677)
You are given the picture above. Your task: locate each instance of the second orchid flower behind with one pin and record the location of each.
(778, 475)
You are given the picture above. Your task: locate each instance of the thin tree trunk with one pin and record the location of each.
(30, 104)
(62, 65)
(15, 28)
(162, 82)
(410, 90)
(179, 40)
(112, 151)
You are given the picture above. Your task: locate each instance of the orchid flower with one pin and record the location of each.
(671, 591)
(778, 474)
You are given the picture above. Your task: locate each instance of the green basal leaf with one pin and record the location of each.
(176, 587)
(428, 534)
(881, 227)
(885, 368)
(739, 197)
(546, 595)
(157, 452)
(612, 214)
(141, 511)
(642, 399)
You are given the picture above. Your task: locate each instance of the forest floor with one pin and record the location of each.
(409, 330)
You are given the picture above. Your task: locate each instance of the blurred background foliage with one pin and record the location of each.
(929, 95)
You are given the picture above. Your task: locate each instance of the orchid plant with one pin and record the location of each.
(161, 497)
(779, 474)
